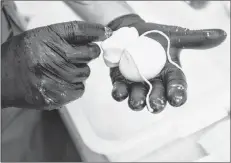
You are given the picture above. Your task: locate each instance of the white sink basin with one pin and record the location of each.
(111, 128)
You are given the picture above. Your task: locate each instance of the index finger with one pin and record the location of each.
(79, 32)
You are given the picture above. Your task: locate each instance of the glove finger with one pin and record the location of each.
(157, 97)
(67, 72)
(137, 96)
(84, 54)
(198, 39)
(176, 86)
(120, 87)
(79, 32)
(116, 75)
(120, 91)
(59, 66)
(186, 38)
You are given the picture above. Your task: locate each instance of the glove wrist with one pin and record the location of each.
(125, 21)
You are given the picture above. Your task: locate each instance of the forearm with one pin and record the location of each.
(102, 12)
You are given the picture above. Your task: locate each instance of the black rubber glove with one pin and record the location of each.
(45, 68)
(170, 85)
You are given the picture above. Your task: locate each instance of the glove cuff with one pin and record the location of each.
(125, 21)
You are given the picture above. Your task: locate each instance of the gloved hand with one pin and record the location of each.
(45, 68)
(170, 85)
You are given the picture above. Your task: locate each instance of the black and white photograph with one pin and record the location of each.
(115, 81)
